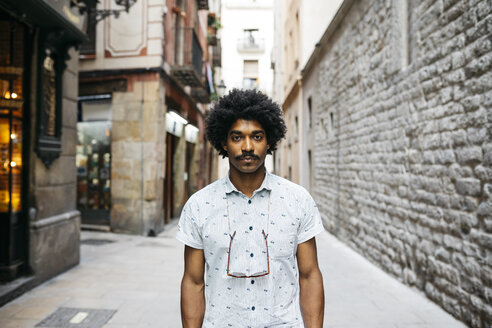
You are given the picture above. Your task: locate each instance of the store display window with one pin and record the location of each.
(93, 160)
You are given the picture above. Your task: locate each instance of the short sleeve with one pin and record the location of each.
(311, 223)
(189, 231)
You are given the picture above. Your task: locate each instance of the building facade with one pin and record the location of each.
(247, 40)
(145, 81)
(299, 26)
(39, 222)
(401, 98)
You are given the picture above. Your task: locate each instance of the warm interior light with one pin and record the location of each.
(13, 136)
(13, 164)
(7, 95)
(14, 95)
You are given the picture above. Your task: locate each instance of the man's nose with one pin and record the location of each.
(247, 145)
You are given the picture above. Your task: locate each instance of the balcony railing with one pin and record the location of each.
(200, 95)
(188, 57)
(251, 44)
(202, 4)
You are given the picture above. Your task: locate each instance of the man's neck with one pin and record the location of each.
(247, 183)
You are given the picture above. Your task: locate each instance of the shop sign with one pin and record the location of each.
(175, 123)
(51, 65)
(191, 133)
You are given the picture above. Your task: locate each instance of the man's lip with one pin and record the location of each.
(248, 158)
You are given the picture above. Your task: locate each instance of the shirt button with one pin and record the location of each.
(251, 254)
(252, 282)
(252, 308)
(250, 228)
(249, 201)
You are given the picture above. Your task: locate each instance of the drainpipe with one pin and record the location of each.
(142, 125)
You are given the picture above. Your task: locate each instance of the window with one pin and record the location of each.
(250, 74)
(297, 126)
(310, 112)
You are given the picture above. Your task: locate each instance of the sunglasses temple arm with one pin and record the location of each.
(268, 255)
(229, 253)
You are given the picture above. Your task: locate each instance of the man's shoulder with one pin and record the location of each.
(209, 191)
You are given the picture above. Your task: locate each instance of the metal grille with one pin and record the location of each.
(96, 242)
(73, 317)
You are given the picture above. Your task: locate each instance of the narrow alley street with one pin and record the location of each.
(132, 281)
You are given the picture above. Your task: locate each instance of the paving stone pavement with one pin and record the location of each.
(139, 279)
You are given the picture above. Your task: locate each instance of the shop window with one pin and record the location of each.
(11, 161)
(11, 101)
(93, 159)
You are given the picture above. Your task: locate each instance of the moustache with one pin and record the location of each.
(243, 156)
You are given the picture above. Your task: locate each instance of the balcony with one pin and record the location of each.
(202, 4)
(187, 67)
(251, 44)
(200, 95)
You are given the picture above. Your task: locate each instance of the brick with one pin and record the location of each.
(446, 157)
(487, 154)
(485, 210)
(469, 155)
(452, 242)
(483, 173)
(469, 186)
(483, 239)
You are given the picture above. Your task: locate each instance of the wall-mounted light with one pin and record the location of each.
(221, 88)
(99, 14)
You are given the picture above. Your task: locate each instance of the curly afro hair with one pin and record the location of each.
(246, 105)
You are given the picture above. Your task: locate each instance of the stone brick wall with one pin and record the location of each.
(403, 144)
(54, 230)
(134, 210)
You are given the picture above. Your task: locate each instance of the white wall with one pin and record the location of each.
(315, 16)
(237, 15)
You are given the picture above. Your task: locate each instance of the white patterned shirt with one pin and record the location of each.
(293, 218)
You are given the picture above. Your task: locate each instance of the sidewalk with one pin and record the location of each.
(131, 281)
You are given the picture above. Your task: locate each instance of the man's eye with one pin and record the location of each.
(236, 138)
(258, 137)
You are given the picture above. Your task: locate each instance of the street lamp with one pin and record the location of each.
(99, 14)
(221, 88)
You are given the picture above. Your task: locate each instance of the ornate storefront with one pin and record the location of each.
(12, 222)
(39, 224)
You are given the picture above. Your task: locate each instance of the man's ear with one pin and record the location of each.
(224, 146)
(268, 146)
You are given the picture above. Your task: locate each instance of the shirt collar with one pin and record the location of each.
(266, 184)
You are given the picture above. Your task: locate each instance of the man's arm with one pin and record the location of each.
(312, 296)
(192, 288)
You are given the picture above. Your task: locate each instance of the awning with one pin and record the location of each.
(56, 14)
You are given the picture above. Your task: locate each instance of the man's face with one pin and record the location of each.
(246, 146)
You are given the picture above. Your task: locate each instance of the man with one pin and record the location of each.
(250, 251)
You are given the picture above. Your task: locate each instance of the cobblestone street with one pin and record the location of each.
(136, 281)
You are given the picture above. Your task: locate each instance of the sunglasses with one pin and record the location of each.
(244, 275)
